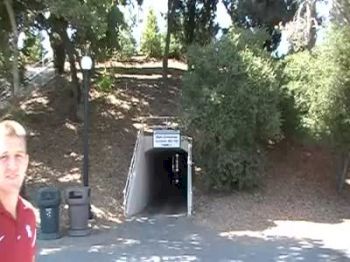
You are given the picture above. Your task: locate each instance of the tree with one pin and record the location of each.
(151, 39)
(319, 83)
(198, 21)
(341, 11)
(15, 17)
(297, 19)
(94, 28)
(230, 104)
(14, 41)
(252, 13)
(301, 31)
(170, 20)
(127, 44)
(206, 27)
(192, 21)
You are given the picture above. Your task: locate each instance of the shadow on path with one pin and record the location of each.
(161, 238)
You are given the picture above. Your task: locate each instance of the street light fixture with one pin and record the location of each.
(86, 65)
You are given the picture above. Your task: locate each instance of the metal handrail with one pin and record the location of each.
(42, 67)
(132, 165)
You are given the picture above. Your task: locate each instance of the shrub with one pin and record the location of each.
(104, 82)
(127, 45)
(176, 48)
(230, 102)
(320, 84)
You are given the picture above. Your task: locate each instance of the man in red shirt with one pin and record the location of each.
(17, 219)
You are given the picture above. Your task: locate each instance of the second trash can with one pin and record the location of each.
(78, 200)
(48, 201)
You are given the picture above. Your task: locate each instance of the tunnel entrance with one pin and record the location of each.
(167, 170)
(160, 174)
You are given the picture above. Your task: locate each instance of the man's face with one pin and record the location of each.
(13, 163)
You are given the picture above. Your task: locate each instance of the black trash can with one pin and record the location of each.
(78, 200)
(48, 201)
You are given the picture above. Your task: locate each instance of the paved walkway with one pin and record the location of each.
(179, 239)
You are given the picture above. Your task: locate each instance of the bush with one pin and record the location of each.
(295, 75)
(230, 101)
(32, 51)
(336, 111)
(127, 45)
(104, 82)
(176, 48)
(320, 84)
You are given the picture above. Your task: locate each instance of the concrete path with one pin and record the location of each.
(179, 239)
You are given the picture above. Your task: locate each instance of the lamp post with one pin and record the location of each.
(86, 65)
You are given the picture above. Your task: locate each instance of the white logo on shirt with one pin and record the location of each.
(34, 238)
(29, 231)
(2, 237)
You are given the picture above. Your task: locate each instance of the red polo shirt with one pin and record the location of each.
(18, 236)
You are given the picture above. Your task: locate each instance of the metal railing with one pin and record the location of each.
(35, 75)
(132, 166)
(39, 73)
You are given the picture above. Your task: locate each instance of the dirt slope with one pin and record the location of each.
(299, 184)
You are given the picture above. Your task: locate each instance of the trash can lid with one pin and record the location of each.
(77, 194)
(48, 196)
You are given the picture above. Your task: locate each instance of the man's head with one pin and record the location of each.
(13, 156)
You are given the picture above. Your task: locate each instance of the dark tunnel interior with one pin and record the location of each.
(167, 169)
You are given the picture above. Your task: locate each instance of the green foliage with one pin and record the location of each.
(320, 85)
(256, 13)
(104, 82)
(295, 76)
(230, 103)
(176, 48)
(151, 44)
(32, 51)
(127, 45)
(5, 55)
(4, 66)
(96, 25)
(336, 112)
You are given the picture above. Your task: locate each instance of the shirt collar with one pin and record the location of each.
(20, 207)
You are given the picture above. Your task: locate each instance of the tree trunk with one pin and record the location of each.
(342, 173)
(15, 70)
(59, 25)
(73, 70)
(59, 57)
(171, 10)
(76, 91)
(311, 24)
